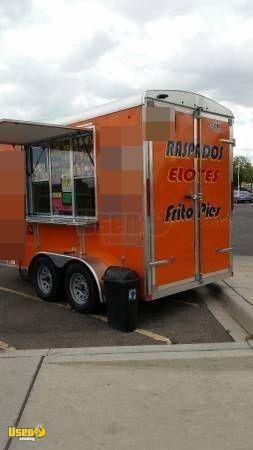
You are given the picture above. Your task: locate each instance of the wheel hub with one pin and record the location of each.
(45, 280)
(79, 288)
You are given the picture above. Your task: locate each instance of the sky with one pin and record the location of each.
(60, 57)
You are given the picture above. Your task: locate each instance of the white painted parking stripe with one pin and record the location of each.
(5, 346)
(13, 266)
(29, 296)
(147, 333)
(183, 302)
(155, 336)
(22, 294)
(96, 316)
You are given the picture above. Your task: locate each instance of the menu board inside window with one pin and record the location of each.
(83, 157)
(39, 163)
(83, 166)
(61, 178)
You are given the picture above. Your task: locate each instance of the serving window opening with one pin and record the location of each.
(61, 178)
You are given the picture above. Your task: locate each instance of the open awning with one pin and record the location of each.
(18, 132)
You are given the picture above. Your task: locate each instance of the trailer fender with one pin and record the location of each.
(95, 266)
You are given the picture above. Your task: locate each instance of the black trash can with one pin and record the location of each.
(121, 293)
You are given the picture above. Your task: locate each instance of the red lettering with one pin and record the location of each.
(180, 173)
(209, 176)
(215, 176)
(172, 175)
(189, 175)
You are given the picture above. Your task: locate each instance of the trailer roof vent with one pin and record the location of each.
(162, 96)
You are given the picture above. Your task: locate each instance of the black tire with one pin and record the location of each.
(81, 289)
(46, 279)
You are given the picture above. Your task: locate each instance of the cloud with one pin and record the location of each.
(223, 72)
(143, 11)
(15, 8)
(86, 53)
(15, 12)
(60, 57)
(46, 92)
(146, 10)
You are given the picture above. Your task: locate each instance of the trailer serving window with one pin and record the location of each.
(62, 181)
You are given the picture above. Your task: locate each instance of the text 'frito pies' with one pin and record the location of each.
(180, 212)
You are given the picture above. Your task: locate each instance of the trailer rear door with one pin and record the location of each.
(215, 203)
(172, 213)
(190, 203)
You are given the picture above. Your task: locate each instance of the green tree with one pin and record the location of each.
(245, 170)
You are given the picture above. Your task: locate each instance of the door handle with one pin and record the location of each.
(197, 196)
(162, 262)
(229, 141)
(224, 250)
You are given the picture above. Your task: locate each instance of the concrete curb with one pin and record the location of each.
(150, 349)
(235, 304)
(23, 353)
(127, 351)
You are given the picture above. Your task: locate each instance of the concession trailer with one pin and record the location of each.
(142, 184)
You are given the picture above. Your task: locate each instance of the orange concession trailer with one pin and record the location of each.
(143, 183)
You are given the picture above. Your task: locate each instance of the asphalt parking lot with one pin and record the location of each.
(243, 229)
(27, 322)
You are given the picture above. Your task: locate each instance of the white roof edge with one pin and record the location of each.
(106, 108)
(177, 97)
(192, 100)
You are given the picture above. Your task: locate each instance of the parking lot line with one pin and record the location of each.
(22, 294)
(184, 302)
(5, 346)
(155, 336)
(150, 334)
(98, 317)
(29, 296)
(12, 266)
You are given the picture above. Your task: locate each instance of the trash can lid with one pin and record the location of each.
(120, 274)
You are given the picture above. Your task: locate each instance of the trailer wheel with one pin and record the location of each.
(81, 289)
(46, 279)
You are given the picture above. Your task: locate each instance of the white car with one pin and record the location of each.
(243, 196)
